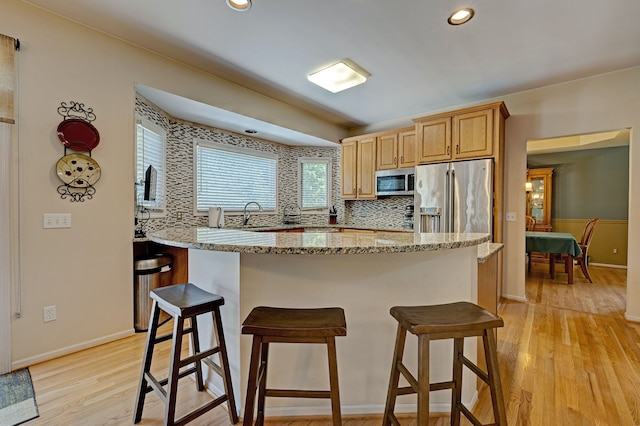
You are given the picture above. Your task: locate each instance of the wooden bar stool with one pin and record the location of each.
(281, 325)
(449, 321)
(184, 301)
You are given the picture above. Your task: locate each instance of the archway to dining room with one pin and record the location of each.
(587, 177)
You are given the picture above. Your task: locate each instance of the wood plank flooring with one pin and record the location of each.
(567, 357)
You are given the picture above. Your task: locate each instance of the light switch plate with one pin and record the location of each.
(57, 220)
(511, 216)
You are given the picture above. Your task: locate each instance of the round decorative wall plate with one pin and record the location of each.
(78, 134)
(78, 170)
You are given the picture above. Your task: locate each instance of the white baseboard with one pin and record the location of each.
(325, 410)
(606, 265)
(70, 349)
(522, 299)
(631, 318)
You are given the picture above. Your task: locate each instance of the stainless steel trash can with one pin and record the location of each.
(148, 273)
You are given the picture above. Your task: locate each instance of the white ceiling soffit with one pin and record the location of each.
(198, 112)
(418, 62)
(579, 142)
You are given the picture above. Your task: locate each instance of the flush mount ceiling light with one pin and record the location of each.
(339, 76)
(239, 5)
(460, 16)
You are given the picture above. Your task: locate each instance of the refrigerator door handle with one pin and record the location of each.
(452, 199)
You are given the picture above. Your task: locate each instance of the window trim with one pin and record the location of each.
(323, 160)
(161, 211)
(239, 150)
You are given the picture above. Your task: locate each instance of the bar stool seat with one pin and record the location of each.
(184, 302)
(283, 325)
(448, 321)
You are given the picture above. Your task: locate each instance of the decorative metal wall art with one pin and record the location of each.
(78, 170)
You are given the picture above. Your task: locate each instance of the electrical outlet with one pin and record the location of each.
(56, 220)
(363, 212)
(49, 313)
(511, 217)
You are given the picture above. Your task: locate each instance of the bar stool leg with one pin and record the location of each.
(497, 398)
(456, 394)
(392, 392)
(423, 379)
(333, 381)
(262, 382)
(195, 341)
(146, 365)
(224, 364)
(254, 366)
(174, 370)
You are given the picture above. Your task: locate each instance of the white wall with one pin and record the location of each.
(86, 271)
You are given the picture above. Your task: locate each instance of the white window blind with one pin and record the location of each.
(230, 177)
(315, 183)
(150, 150)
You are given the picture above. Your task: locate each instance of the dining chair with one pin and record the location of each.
(531, 223)
(584, 243)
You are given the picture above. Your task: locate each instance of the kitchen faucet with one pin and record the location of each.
(247, 214)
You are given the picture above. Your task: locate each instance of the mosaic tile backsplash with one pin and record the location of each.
(384, 213)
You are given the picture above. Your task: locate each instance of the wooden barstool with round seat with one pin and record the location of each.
(184, 302)
(283, 325)
(449, 321)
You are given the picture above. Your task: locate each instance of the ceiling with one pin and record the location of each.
(418, 63)
(599, 140)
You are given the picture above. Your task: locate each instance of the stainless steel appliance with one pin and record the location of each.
(395, 182)
(454, 197)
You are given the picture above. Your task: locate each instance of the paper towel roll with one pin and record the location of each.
(216, 217)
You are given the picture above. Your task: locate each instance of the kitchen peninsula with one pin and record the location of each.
(366, 273)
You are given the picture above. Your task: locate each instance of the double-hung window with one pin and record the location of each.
(315, 183)
(150, 166)
(230, 177)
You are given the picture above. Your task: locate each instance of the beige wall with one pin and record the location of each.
(610, 235)
(86, 271)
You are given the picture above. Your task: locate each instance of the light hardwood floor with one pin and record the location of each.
(567, 357)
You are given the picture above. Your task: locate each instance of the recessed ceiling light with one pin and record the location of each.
(239, 5)
(460, 16)
(338, 77)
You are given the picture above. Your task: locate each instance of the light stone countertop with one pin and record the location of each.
(487, 250)
(231, 240)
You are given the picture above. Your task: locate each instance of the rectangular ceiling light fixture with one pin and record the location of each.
(338, 77)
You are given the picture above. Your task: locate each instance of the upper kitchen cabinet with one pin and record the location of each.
(468, 133)
(396, 149)
(358, 165)
(539, 197)
(433, 138)
(387, 151)
(407, 147)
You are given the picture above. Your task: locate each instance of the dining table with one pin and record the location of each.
(563, 243)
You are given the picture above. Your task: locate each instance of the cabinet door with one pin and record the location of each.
(473, 134)
(387, 152)
(348, 166)
(434, 140)
(366, 168)
(407, 148)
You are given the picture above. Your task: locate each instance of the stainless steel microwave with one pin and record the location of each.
(395, 182)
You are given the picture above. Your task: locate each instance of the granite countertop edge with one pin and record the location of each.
(242, 241)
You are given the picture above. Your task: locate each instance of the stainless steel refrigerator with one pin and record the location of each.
(454, 197)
